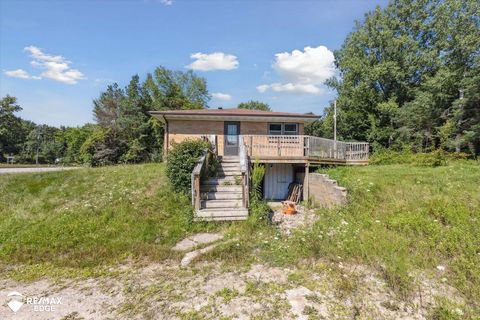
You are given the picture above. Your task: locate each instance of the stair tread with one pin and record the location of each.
(221, 213)
(220, 188)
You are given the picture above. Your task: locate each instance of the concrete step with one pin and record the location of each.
(222, 213)
(220, 188)
(228, 204)
(222, 195)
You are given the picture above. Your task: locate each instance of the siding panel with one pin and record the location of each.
(277, 179)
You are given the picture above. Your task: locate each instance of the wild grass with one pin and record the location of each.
(407, 218)
(89, 217)
(401, 219)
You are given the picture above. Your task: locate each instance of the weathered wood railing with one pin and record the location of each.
(304, 146)
(274, 145)
(245, 171)
(356, 151)
(201, 169)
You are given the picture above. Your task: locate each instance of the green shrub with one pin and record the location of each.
(181, 161)
(258, 172)
(430, 159)
(259, 209)
(102, 147)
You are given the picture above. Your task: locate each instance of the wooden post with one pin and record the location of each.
(197, 192)
(244, 191)
(165, 142)
(251, 145)
(278, 146)
(306, 188)
(306, 143)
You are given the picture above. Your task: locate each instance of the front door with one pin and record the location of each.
(231, 132)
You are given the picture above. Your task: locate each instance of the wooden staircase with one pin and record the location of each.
(222, 195)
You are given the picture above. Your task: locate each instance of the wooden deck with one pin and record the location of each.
(304, 149)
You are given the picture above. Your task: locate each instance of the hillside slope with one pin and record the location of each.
(90, 216)
(403, 223)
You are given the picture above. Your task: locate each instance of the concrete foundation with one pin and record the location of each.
(324, 192)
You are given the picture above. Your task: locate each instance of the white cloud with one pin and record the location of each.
(167, 2)
(297, 88)
(213, 61)
(221, 96)
(20, 73)
(312, 66)
(56, 67)
(263, 87)
(303, 72)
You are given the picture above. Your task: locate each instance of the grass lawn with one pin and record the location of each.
(86, 218)
(401, 220)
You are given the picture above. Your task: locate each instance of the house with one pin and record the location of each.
(239, 137)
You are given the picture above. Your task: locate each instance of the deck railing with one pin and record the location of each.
(297, 146)
(274, 145)
(304, 146)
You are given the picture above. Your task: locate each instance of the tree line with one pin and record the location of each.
(123, 132)
(410, 78)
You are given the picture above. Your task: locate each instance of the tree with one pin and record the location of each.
(401, 73)
(254, 105)
(173, 90)
(129, 133)
(107, 107)
(13, 130)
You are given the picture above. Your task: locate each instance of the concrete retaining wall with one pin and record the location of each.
(325, 192)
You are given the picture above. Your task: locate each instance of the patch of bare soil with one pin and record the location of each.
(287, 223)
(208, 290)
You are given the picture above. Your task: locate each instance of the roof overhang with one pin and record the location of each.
(163, 116)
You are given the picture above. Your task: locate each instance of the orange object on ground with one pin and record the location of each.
(289, 207)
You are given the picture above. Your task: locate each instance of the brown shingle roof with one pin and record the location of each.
(234, 112)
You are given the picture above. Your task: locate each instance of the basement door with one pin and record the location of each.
(277, 179)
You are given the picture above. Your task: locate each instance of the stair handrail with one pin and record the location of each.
(201, 169)
(245, 171)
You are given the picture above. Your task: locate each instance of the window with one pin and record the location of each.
(290, 128)
(283, 128)
(275, 129)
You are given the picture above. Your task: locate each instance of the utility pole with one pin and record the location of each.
(335, 129)
(335, 120)
(38, 144)
(458, 136)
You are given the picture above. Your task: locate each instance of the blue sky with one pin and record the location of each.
(56, 56)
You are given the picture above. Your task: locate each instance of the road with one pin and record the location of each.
(32, 170)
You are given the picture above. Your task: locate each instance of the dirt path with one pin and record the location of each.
(208, 290)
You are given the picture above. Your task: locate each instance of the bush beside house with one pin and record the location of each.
(181, 161)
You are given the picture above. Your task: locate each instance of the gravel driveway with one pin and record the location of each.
(31, 170)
